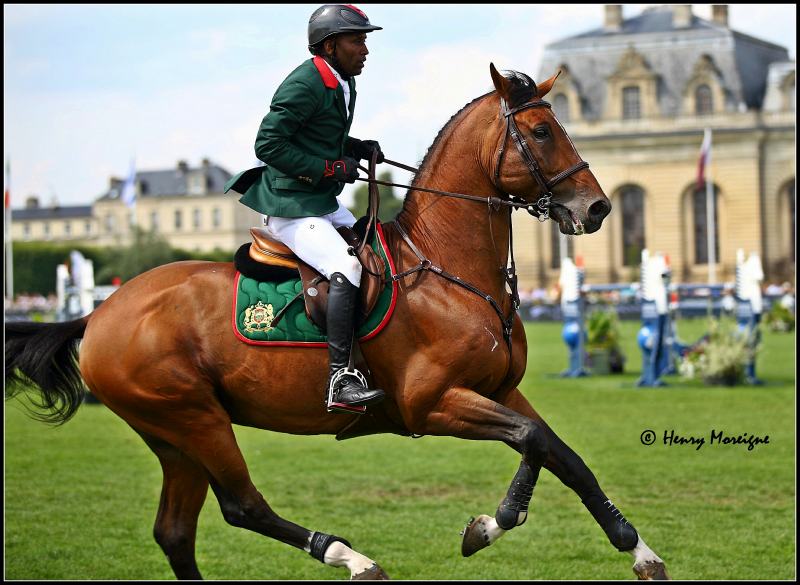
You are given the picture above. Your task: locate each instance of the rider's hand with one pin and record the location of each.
(344, 170)
(363, 149)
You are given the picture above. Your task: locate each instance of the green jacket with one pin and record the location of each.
(307, 124)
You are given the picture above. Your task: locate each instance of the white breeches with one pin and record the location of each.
(317, 243)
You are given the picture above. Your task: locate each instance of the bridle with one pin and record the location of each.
(540, 209)
(544, 202)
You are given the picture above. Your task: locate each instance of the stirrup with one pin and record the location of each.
(333, 406)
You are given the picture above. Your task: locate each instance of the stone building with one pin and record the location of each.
(184, 204)
(635, 95)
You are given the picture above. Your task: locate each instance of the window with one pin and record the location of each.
(26, 230)
(216, 217)
(631, 107)
(555, 245)
(178, 219)
(67, 228)
(701, 226)
(87, 227)
(561, 107)
(46, 230)
(703, 101)
(633, 241)
(109, 223)
(196, 218)
(154, 221)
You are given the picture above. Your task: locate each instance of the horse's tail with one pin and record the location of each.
(44, 356)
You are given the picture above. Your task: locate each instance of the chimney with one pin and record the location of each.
(183, 166)
(681, 15)
(206, 163)
(613, 18)
(719, 14)
(32, 202)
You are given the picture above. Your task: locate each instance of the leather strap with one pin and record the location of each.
(320, 543)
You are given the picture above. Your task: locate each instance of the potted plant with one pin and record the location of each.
(602, 343)
(721, 357)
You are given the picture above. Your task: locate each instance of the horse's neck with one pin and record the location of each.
(463, 237)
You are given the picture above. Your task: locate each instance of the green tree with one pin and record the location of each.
(147, 251)
(390, 205)
(35, 264)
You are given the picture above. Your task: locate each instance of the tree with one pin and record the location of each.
(390, 205)
(147, 251)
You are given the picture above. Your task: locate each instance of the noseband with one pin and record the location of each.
(543, 204)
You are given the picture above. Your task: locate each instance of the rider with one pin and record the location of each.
(309, 156)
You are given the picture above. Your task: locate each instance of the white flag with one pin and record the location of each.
(128, 195)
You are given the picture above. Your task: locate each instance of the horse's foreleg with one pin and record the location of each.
(463, 413)
(565, 464)
(182, 497)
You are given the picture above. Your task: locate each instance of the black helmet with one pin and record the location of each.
(332, 19)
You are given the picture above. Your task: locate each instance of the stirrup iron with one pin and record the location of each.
(333, 406)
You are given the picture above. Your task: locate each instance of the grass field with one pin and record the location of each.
(80, 500)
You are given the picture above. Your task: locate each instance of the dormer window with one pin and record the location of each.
(703, 100)
(631, 103)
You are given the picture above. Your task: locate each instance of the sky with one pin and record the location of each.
(88, 88)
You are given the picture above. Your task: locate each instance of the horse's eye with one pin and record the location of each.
(541, 132)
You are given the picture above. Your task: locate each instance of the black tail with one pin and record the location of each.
(45, 356)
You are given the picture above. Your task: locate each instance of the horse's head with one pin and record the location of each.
(537, 157)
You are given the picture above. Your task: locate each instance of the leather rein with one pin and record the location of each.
(540, 209)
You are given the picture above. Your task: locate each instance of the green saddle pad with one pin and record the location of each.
(256, 303)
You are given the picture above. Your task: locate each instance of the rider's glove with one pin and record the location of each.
(345, 170)
(363, 149)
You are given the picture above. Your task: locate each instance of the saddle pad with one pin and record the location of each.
(255, 304)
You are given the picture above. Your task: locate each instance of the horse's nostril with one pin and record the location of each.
(599, 209)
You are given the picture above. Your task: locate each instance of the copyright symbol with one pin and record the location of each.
(648, 437)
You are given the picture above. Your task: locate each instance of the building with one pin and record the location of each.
(183, 204)
(635, 96)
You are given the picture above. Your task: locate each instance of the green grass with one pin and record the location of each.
(80, 500)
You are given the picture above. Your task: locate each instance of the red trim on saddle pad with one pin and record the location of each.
(328, 78)
(381, 326)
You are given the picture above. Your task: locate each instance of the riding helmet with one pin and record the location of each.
(332, 19)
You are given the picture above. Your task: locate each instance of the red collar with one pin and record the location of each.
(328, 78)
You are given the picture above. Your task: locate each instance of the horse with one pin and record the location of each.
(181, 382)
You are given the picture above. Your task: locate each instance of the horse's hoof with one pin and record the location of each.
(476, 536)
(651, 571)
(374, 573)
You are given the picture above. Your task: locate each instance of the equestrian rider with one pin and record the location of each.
(309, 156)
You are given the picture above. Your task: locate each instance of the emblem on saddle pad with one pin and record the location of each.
(258, 317)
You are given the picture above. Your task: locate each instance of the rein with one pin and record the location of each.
(540, 209)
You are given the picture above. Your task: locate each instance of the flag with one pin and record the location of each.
(8, 185)
(705, 159)
(128, 195)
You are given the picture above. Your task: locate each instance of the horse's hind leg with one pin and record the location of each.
(567, 466)
(182, 497)
(208, 438)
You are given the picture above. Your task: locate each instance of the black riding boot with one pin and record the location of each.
(348, 389)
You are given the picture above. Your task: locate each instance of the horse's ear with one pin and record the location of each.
(546, 86)
(501, 83)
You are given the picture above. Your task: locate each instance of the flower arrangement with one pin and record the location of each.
(721, 357)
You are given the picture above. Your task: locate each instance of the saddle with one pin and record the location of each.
(266, 251)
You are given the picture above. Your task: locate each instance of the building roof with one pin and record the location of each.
(44, 213)
(671, 53)
(174, 182)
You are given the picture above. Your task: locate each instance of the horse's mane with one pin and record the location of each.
(523, 89)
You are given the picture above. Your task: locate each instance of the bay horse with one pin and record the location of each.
(181, 381)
